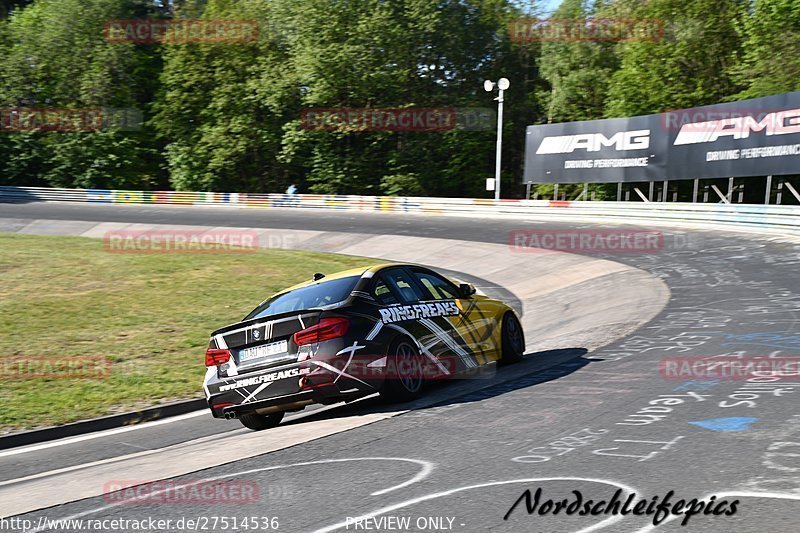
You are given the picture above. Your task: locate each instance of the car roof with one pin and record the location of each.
(360, 272)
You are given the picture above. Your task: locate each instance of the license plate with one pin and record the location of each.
(265, 350)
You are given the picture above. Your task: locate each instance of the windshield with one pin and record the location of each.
(308, 297)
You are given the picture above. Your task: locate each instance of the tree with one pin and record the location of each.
(223, 105)
(410, 53)
(771, 44)
(56, 56)
(689, 66)
(231, 115)
(577, 68)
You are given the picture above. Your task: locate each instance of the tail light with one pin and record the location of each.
(327, 328)
(215, 357)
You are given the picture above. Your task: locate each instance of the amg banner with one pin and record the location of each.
(747, 138)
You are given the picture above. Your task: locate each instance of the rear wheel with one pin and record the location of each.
(404, 375)
(513, 340)
(258, 422)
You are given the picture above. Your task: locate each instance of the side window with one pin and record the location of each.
(383, 294)
(438, 287)
(398, 282)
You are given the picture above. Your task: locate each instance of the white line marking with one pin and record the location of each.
(258, 389)
(78, 467)
(374, 331)
(427, 468)
(352, 351)
(424, 349)
(413, 501)
(449, 341)
(335, 370)
(221, 344)
(270, 324)
(290, 418)
(97, 435)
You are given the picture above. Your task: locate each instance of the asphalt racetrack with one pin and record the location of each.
(579, 419)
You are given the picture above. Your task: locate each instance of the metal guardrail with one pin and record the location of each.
(766, 217)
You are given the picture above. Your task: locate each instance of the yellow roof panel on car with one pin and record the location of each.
(338, 275)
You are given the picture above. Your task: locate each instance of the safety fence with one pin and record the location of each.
(785, 219)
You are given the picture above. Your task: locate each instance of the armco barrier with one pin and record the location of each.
(772, 218)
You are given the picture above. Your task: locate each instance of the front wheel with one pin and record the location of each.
(404, 375)
(258, 422)
(513, 340)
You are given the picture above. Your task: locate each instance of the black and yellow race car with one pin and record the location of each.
(387, 329)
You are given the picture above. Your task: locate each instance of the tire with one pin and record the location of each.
(258, 422)
(404, 372)
(513, 340)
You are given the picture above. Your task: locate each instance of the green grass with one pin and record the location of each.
(151, 314)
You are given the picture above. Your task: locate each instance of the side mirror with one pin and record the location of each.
(467, 289)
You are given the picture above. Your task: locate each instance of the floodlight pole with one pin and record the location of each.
(499, 153)
(489, 86)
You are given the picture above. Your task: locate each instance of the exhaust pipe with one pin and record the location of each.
(229, 415)
(296, 406)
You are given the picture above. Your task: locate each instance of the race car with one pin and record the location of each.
(386, 329)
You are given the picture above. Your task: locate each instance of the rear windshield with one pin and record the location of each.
(309, 297)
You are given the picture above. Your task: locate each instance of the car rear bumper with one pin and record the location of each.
(331, 375)
(326, 393)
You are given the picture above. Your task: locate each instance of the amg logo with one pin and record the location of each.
(594, 142)
(412, 312)
(263, 378)
(778, 123)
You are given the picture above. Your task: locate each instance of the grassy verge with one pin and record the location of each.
(150, 314)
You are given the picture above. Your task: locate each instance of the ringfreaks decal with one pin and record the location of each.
(413, 312)
(263, 378)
